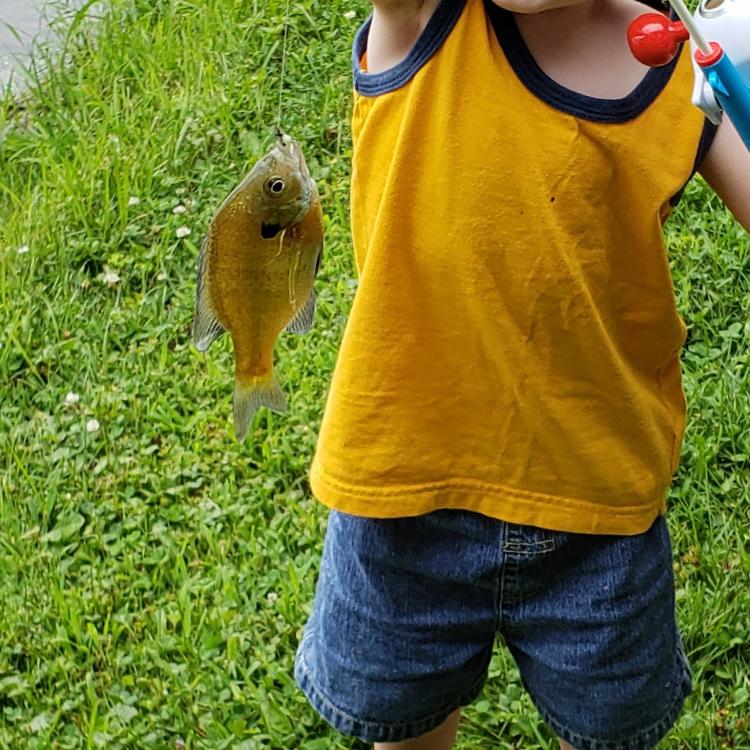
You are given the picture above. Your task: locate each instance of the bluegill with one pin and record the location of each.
(256, 271)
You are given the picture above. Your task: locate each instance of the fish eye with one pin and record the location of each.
(276, 185)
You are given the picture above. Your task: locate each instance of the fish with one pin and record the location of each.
(255, 273)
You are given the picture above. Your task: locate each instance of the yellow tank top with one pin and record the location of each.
(513, 345)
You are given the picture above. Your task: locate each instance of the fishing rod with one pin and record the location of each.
(719, 32)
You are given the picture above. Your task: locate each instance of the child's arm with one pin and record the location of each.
(396, 26)
(726, 168)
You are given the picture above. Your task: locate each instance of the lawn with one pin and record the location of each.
(154, 574)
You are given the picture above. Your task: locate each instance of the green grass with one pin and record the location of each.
(154, 574)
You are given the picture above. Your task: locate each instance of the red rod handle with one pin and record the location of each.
(654, 38)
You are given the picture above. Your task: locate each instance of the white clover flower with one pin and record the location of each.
(134, 200)
(272, 597)
(179, 209)
(350, 14)
(110, 277)
(92, 425)
(161, 276)
(72, 398)
(23, 250)
(182, 232)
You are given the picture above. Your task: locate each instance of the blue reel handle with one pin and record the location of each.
(732, 93)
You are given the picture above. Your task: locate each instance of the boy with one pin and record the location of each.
(506, 412)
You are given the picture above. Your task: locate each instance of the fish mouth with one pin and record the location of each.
(290, 151)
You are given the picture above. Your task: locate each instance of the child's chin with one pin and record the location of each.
(535, 6)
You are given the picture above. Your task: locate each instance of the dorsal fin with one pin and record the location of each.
(206, 328)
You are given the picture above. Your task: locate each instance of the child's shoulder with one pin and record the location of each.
(396, 26)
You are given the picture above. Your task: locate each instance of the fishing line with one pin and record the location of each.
(283, 65)
(293, 279)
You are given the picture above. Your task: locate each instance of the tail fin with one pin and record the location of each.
(249, 396)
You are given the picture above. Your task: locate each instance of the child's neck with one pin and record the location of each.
(584, 47)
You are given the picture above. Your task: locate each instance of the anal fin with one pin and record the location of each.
(302, 322)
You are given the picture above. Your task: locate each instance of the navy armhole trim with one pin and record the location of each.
(563, 99)
(707, 138)
(435, 33)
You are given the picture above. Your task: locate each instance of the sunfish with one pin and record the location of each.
(256, 271)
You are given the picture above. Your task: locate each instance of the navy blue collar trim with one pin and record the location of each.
(563, 99)
(435, 33)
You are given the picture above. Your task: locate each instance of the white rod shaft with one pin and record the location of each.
(684, 14)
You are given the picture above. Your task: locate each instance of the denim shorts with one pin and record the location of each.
(407, 610)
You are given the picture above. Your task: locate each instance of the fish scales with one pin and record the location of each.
(256, 273)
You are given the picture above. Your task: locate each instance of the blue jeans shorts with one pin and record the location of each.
(407, 610)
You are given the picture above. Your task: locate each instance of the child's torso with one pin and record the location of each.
(513, 345)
